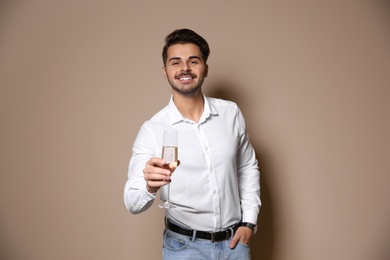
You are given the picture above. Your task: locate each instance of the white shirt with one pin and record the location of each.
(218, 180)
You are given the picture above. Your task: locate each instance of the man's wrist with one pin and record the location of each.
(253, 227)
(151, 190)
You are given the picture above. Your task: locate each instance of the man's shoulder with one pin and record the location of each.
(157, 118)
(221, 103)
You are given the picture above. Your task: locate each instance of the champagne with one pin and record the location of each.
(169, 154)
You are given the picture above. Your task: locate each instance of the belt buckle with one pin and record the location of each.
(216, 238)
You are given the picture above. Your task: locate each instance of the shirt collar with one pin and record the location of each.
(175, 116)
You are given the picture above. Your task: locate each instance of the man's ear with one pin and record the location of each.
(164, 73)
(206, 71)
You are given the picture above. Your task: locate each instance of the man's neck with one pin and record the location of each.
(191, 107)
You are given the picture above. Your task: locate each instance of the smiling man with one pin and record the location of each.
(216, 186)
(185, 71)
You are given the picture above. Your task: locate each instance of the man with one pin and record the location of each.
(216, 186)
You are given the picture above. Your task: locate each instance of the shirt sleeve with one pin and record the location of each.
(248, 175)
(136, 197)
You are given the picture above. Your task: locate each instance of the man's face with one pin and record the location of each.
(185, 69)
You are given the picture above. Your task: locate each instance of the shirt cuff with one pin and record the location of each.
(250, 217)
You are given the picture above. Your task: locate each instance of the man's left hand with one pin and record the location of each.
(242, 235)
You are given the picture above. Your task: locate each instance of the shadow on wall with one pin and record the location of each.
(262, 244)
(7, 249)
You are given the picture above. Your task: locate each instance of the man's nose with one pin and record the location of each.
(185, 67)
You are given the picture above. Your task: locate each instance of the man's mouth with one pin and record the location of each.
(185, 77)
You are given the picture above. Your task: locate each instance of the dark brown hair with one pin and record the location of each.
(183, 36)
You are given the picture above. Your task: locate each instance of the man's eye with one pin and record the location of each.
(175, 63)
(194, 62)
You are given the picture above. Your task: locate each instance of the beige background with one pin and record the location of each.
(78, 78)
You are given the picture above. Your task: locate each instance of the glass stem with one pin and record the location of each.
(169, 189)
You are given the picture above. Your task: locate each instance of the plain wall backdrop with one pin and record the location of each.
(78, 78)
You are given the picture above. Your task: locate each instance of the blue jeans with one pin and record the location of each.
(177, 246)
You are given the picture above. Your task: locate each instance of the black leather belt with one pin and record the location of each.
(213, 236)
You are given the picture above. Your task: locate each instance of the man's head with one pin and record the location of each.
(184, 36)
(185, 54)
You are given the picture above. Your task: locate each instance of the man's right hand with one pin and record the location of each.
(155, 175)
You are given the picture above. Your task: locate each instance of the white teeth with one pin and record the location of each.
(185, 78)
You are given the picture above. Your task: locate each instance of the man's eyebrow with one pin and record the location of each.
(174, 58)
(195, 57)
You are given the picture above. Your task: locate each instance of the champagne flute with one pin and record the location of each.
(169, 154)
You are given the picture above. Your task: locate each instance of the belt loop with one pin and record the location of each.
(193, 236)
(231, 232)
